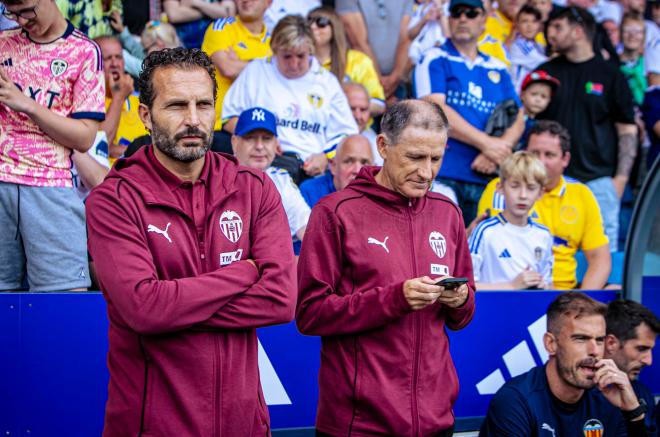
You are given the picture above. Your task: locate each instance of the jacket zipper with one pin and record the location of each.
(146, 388)
(217, 391)
(416, 330)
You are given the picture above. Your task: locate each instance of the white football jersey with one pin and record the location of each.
(296, 209)
(98, 151)
(312, 111)
(501, 251)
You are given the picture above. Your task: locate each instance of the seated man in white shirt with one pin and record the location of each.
(255, 145)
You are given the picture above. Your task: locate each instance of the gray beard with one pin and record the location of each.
(168, 145)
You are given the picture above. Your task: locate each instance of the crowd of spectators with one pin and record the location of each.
(575, 82)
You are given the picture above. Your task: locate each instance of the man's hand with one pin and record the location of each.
(484, 165)
(390, 82)
(251, 261)
(116, 21)
(316, 164)
(421, 292)
(496, 149)
(11, 96)
(434, 13)
(453, 298)
(229, 8)
(619, 183)
(615, 385)
(527, 279)
(121, 88)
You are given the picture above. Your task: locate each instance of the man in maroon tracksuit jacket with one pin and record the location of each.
(193, 253)
(371, 256)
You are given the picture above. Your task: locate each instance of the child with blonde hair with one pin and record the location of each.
(511, 250)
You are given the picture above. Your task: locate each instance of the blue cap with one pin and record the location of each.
(256, 118)
(471, 3)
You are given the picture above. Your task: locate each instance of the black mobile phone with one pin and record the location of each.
(452, 283)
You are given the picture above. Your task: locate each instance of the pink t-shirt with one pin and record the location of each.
(66, 76)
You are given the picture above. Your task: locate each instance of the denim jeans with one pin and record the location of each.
(609, 204)
(468, 195)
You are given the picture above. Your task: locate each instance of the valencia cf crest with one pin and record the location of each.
(231, 225)
(593, 428)
(438, 243)
(58, 67)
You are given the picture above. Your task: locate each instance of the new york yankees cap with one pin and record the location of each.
(256, 118)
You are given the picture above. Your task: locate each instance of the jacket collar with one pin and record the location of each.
(560, 189)
(144, 173)
(451, 49)
(365, 183)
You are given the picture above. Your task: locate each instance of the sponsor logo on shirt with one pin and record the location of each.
(439, 270)
(593, 428)
(505, 254)
(298, 124)
(58, 67)
(475, 90)
(231, 225)
(548, 428)
(383, 244)
(227, 258)
(594, 88)
(558, 241)
(162, 232)
(47, 97)
(438, 243)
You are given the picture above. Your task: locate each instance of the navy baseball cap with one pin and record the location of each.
(471, 3)
(256, 118)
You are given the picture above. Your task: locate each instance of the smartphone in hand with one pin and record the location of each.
(452, 283)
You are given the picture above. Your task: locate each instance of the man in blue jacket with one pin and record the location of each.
(577, 393)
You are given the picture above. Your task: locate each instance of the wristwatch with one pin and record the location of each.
(633, 414)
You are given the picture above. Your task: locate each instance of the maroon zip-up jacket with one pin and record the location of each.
(385, 369)
(183, 302)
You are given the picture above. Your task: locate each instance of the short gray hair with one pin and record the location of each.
(412, 113)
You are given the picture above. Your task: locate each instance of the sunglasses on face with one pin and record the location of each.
(320, 22)
(470, 13)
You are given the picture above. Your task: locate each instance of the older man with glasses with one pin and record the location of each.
(51, 102)
(468, 85)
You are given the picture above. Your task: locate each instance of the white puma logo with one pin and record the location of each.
(383, 243)
(164, 233)
(548, 428)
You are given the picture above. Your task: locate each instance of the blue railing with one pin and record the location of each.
(53, 377)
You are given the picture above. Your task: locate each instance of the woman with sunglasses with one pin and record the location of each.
(312, 111)
(346, 64)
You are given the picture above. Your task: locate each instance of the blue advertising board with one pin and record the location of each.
(53, 377)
